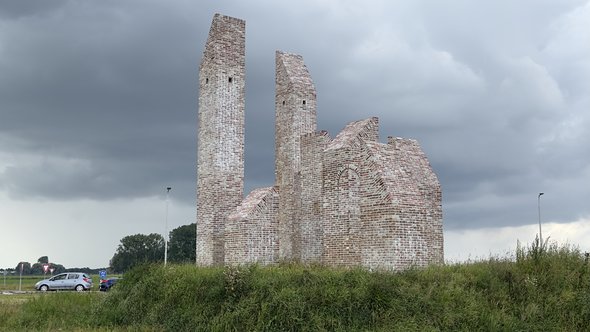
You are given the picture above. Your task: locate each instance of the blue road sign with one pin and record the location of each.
(102, 274)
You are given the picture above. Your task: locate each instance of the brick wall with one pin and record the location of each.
(311, 226)
(220, 155)
(295, 115)
(251, 232)
(347, 201)
(382, 206)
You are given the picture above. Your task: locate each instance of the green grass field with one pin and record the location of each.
(12, 282)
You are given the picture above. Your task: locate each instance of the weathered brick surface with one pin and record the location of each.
(220, 157)
(347, 201)
(311, 219)
(251, 233)
(295, 115)
(397, 194)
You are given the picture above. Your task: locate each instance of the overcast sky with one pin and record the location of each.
(98, 111)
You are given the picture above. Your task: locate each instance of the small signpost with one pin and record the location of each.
(102, 274)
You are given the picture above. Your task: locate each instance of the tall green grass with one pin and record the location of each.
(49, 311)
(10, 306)
(541, 288)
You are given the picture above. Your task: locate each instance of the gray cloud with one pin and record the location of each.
(98, 100)
(19, 9)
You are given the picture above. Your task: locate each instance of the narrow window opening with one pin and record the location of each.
(230, 79)
(207, 80)
(283, 102)
(304, 102)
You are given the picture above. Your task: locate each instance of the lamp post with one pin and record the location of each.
(166, 228)
(539, 208)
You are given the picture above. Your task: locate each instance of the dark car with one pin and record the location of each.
(106, 284)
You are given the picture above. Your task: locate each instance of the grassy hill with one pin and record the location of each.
(540, 289)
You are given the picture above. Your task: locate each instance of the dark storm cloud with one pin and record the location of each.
(482, 103)
(98, 99)
(104, 97)
(10, 9)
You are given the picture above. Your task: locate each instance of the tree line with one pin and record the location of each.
(133, 250)
(27, 268)
(141, 248)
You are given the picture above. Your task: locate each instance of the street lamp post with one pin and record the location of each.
(539, 209)
(166, 228)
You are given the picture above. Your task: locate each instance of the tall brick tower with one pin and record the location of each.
(220, 158)
(295, 107)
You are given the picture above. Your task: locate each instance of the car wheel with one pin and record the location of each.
(44, 288)
(79, 288)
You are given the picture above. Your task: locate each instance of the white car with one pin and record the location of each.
(77, 281)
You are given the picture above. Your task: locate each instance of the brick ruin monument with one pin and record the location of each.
(343, 201)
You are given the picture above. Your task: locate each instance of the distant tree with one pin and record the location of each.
(86, 270)
(43, 260)
(182, 245)
(57, 268)
(137, 249)
(37, 268)
(26, 268)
